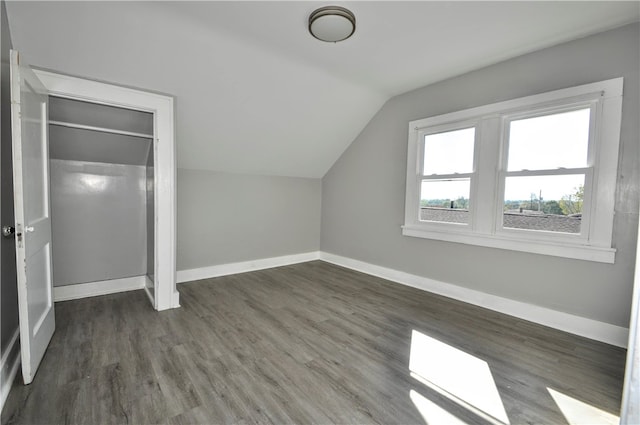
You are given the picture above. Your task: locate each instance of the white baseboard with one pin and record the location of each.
(93, 289)
(9, 366)
(593, 329)
(245, 266)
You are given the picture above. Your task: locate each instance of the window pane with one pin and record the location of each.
(449, 152)
(550, 141)
(550, 203)
(445, 200)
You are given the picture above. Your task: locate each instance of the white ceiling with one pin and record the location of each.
(257, 94)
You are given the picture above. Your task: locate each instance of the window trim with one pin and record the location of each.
(594, 243)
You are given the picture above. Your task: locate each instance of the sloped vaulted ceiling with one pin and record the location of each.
(257, 94)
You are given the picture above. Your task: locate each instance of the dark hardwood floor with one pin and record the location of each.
(312, 343)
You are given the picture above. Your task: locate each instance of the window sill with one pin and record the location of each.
(579, 252)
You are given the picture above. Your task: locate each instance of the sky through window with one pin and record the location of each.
(546, 142)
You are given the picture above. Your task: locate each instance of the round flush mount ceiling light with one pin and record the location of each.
(332, 23)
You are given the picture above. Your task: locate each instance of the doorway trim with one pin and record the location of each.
(161, 106)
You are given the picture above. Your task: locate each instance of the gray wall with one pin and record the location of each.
(98, 221)
(225, 218)
(363, 193)
(8, 293)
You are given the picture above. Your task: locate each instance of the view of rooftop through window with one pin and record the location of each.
(549, 155)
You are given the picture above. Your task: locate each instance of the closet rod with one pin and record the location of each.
(101, 129)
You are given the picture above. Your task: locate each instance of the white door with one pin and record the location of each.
(29, 115)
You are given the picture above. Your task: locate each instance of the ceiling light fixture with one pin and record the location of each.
(332, 23)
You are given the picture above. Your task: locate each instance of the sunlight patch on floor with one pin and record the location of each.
(461, 377)
(431, 412)
(577, 412)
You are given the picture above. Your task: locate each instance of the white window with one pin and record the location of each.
(534, 174)
(447, 173)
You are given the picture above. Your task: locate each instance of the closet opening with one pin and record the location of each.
(102, 198)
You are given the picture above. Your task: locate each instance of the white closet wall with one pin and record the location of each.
(101, 222)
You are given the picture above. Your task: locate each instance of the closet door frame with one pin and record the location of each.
(165, 294)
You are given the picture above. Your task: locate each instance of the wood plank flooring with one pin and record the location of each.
(309, 343)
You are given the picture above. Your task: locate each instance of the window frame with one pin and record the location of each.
(587, 170)
(447, 127)
(486, 197)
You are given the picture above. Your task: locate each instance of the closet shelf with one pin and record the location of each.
(101, 129)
